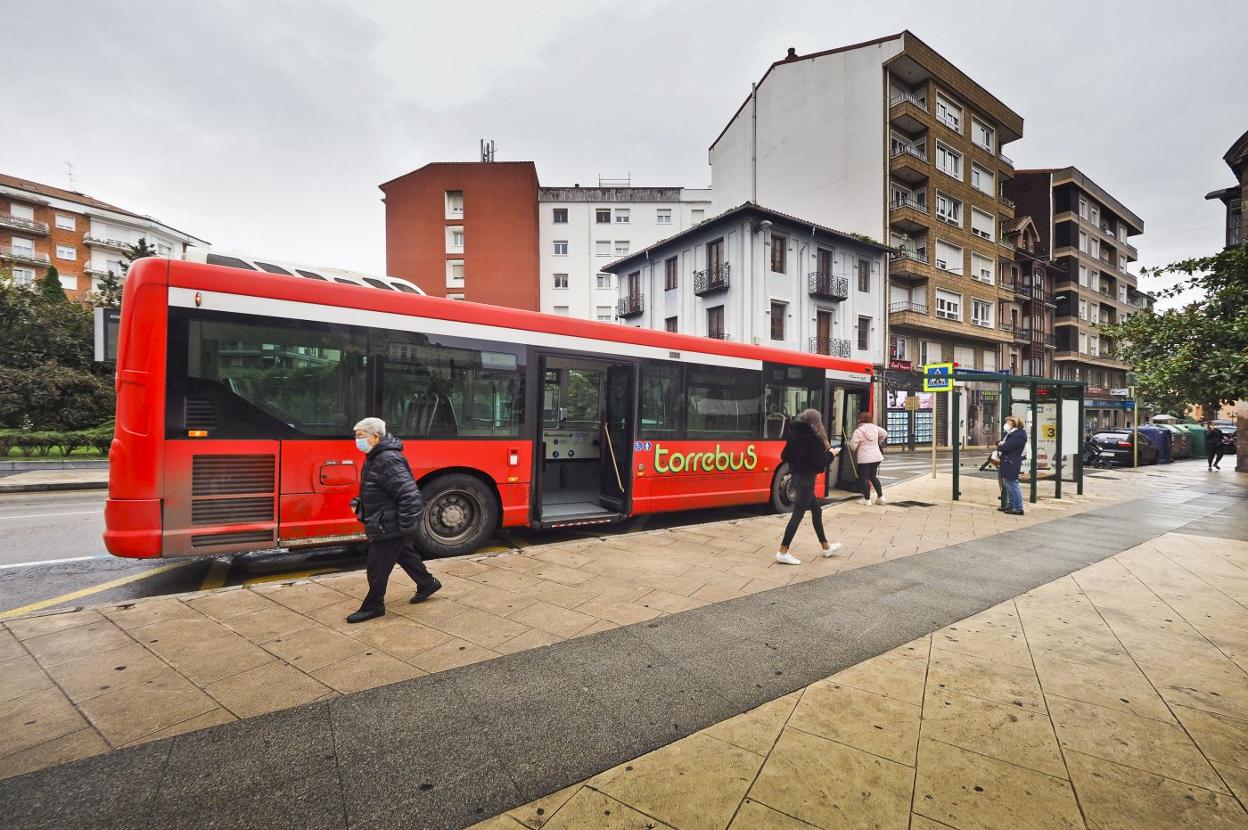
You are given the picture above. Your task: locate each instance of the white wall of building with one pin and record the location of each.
(583, 297)
(820, 137)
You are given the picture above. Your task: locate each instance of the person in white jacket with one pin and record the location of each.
(867, 445)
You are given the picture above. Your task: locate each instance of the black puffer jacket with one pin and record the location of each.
(390, 503)
(804, 452)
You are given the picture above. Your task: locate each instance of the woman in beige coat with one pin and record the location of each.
(867, 445)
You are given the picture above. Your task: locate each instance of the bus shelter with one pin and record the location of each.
(1053, 411)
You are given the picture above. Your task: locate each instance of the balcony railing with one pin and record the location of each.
(831, 346)
(1006, 159)
(1008, 202)
(900, 201)
(8, 220)
(106, 242)
(828, 287)
(906, 253)
(630, 305)
(1008, 326)
(717, 334)
(907, 96)
(711, 280)
(24, 255)
(900, 149)
(897, 308)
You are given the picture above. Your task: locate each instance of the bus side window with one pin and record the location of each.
(724, 404)
(662, 400)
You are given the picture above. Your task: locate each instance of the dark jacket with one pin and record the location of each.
(390, 503)
(1011, 448)
(1214, 439)
(804, 451)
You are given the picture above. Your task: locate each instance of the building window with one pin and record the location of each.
(982, 134)
(1094, 215)
(561, 280)
(669, 273)
(66, 252)
(981, 313)
(949, 161)
(949, 113)
(621, 216)
(948, 305)
(864, 333)
(1083, 241)
(669, 324)
(663, 216)
(864, 275)
(457, 238)
(697, 215)
(779, 247)
(604, 314)
(561, 247)
(983, 224)
(715, 322)
(65, 223)
(1083, 207)
(949, 209)
(454, 204)
(896, 347)
(982, 179)
(23, 276)
(163, 250)
(981, 268)
(948, 257)
(778, 312)
(561, 310)
(621, 247)
(1083, 309)
(454, 273)
(1122, 262)
(602, 247)
(454, 296)
(603, 280)
(602, 216)
(560, 216)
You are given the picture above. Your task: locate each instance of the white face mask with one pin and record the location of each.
(362, 444)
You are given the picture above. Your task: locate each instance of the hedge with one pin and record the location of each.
(41, 443)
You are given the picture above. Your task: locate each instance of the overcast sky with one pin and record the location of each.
(265, 126)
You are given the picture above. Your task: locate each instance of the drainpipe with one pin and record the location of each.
(802, 303)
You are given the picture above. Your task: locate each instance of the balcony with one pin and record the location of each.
(1006, 159)
(909, 163)
(913, 265)
(909, 112)
(711, 280)
(908, 215)
(1005, 200)
(103, 242)
(828, 287)
(830, 346)
(21, 223)
(898, 308)
(24, 255)
(630, 305)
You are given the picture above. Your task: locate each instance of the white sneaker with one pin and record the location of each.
(881, 500)
(864, 502)
(832, 548)
(787, 559)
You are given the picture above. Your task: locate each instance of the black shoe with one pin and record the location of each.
(1014, 512)
(421, 596)
(365, 614)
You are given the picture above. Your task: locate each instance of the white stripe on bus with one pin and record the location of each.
(312, 312)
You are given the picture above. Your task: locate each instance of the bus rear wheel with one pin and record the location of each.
(460, 514)
(782, 490)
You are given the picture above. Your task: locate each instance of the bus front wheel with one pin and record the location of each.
(782, 490)
(460, 514)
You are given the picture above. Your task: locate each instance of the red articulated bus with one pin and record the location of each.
(238, 390)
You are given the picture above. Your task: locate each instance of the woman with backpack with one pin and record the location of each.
(808, 452)
(867, 445)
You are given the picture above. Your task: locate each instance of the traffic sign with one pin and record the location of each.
(937, 377)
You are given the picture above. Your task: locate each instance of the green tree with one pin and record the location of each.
(1196, 354)
(108, 292)
(50, 287)
(138, 250)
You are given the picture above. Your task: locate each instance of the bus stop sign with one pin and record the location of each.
(937, 377)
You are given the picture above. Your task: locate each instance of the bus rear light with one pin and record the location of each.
(1124, 444)
(197, 433)
(513, 458)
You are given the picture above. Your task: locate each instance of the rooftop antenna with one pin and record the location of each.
(69, 172)
(487, 150)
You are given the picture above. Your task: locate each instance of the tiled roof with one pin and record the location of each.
(51, 192)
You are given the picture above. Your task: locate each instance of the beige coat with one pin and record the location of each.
(865, 443)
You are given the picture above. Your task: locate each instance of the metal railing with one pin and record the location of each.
(105, 242)
(900, 149)
(630, 305)
(831, 346)
(1008, 326)
(905, 253)
(717, 334)
(711, 280)
(22, 223)
(24, 254)
(828, 286)
(1006, 159)
(905, 305)
(901, 201)
(908, 96)
(1007, 201)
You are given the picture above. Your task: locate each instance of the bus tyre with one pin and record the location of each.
(460, 514)
(782, 490)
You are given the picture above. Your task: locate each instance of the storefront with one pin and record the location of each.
(909, 412)
(1107, 409)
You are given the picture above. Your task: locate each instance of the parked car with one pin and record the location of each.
(1118, 445)
(1228, 440)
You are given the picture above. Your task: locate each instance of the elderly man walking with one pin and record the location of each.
(389, 507)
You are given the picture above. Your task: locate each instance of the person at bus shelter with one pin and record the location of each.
(389, 507)
(1011, 449)
(808, 453)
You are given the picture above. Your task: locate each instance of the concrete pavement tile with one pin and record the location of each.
(27, 627)
(565, 596)
(1114, 797)
(9, 645)
(145, 612)
(571, 577)
(757, 729)
(753, 815)
(212, 660)
(430, 612)
(365, 670)
(511, 581)
(301, 596)
(231, 602)
(597, 628)
(1219, 737)
(87, 677)
(1236, 778)
(590, 808)
(533, 638)
(1002, 731)
(1223, 694)
(81, 641)
(452, 655)
(974, 676)
(997, 637)
(552, 619)
(37, 718)
(831, 785)
(697, 782)
(268, 623)
(81, 744)
(399, 636)
(616, 611)
(168, 636)
(536, 814)
(124, 715)
(267, 688)
(20, 675)
(313, 648)
(1105, 685)
(495, 600)
(668, 602)
(618, 589)
(972, 792)
(214, 717)
(864, 720)
(900, 678)
(482, 628)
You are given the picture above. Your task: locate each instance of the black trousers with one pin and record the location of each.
(804, 501)
(869, 474)
(1215, 455)
(382, 557)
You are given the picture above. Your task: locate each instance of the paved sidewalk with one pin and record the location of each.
(34, 481)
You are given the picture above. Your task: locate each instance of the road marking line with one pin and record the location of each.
(260, 580)
(217, 573)
(49, 515)
(55, 561)
(86, 592)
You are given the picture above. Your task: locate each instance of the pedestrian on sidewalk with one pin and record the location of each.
(808, 452)
(1011, 449)
(867, 445)
(1214, 449)
(389, 507)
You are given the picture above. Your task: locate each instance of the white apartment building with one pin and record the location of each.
(756, 275)
(583, 229)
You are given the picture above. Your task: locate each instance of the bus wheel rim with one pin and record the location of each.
(453, 515)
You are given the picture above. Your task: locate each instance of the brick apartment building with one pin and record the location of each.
(83, 237)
